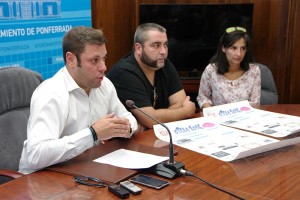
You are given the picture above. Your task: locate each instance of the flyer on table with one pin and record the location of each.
(242, 115)
(204, 135)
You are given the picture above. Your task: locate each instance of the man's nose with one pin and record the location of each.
(102, 66)
(163, 49)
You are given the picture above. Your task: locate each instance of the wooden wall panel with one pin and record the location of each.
(117, 20)
(270, 28)
(293, 81)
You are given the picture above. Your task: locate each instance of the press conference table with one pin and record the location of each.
(270, 175)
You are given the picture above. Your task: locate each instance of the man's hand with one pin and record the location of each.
(141, 127)
(206, 105)
(111, 126)
(189, 107)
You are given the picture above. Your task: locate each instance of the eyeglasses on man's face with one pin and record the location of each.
(236, 28)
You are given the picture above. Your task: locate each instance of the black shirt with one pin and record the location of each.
(132, 84)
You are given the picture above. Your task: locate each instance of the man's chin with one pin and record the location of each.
(155, 67)
(98, 84)
(160, 64)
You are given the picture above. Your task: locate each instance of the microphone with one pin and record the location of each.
(170, 169)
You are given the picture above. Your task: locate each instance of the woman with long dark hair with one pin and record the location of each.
(231, 75)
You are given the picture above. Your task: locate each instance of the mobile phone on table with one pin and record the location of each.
(149, 181)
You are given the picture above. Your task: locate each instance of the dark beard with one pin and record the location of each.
(147, 61)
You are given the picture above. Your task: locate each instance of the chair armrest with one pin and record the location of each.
(10, 173)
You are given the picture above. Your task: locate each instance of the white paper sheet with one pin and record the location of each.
(130, 159)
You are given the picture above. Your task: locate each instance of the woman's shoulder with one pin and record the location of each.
(210, 71)
(254, 66)
(211, 67)
(254, 70)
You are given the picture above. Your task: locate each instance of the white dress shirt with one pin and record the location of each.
(60, 113)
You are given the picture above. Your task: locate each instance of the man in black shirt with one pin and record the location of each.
(148, 78)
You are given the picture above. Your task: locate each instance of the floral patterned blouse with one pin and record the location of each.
(215, 89)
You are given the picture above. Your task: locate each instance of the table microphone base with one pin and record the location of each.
(167, 170)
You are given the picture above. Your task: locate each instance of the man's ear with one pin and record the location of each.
(71, 59)
(138, 48)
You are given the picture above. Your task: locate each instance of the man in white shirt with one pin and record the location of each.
(77, 107)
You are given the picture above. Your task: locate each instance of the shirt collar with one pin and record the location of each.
(70, 82)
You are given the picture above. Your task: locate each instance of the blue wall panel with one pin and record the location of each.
(31, 32)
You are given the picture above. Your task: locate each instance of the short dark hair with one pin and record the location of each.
(227, 40)
(75, 40)
(141, 36)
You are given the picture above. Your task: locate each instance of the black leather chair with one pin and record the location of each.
(16, 87)
(269, 93)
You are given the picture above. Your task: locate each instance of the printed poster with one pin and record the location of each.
(204, 135)
(242, 115)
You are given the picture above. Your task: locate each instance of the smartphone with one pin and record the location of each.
(149, 181)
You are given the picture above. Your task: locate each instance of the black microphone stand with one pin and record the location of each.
(170, 169)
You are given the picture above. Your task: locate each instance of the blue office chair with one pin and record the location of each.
(16, 87)
(269, 93)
